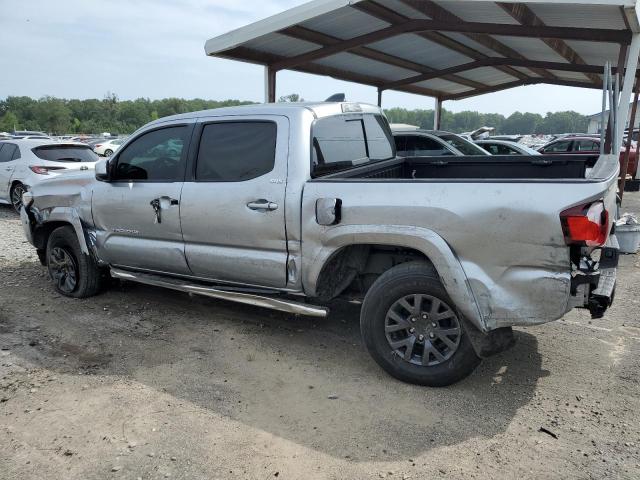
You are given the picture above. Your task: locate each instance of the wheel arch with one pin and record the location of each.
(55, 218)
(354, 243)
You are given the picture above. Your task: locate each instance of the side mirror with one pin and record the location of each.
(103, 169)
(328, 211)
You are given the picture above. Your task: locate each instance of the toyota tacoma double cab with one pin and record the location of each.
(289, 206)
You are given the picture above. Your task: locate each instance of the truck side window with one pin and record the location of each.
(236, 151)
(154, 156)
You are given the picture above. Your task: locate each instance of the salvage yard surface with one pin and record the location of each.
(146, 383)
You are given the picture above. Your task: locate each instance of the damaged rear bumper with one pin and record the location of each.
(593, 285)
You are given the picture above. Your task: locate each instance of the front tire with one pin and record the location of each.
(108, 153)
(412, 330)
(74, 274)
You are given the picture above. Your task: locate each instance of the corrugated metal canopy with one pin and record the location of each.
(449, 49)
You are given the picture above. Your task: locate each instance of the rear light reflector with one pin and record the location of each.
(44, 170)
(586, 225)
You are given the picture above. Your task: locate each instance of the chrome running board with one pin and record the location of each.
(238, 297)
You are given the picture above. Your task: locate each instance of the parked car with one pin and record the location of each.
(504, 147)
(25, 163)
(266, 204)
(427, 143)
(35, 137)
(419, 143)
(588, 145)
(19, 134)
(106, 148)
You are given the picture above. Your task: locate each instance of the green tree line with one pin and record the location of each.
(514, 124)
(59, 116)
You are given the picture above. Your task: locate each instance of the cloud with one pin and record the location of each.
(145, 48)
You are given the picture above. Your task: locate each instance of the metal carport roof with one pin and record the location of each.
(447, 49)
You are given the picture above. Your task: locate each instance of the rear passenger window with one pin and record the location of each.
(8, 152)
(585, 146)
(236, 151)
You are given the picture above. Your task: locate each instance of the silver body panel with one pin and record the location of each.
(497, 245)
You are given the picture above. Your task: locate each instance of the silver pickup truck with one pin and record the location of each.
(289, 206)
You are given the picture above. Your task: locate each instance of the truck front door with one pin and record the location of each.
(233, 212)
(137, 213)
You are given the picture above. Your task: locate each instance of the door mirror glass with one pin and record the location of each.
(328, 211)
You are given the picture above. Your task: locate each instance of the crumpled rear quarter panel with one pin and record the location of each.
(507, 236)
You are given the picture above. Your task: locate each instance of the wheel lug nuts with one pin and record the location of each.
(432, 335)
(421, 337)
(425, 316)
(412, 330)
(434, 325)
(414, 320)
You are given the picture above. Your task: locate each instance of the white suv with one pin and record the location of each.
(24, 163)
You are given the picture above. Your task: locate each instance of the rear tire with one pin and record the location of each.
(16, 195)
(74, 274)
(412, 330)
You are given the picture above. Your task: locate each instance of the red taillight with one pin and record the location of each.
(97, 146)
(586, 225)
(44, 170)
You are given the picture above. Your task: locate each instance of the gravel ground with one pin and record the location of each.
(147, 383)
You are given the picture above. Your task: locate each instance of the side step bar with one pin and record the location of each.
(238, 297)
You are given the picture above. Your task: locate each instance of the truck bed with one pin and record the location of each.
(547, 167)
(499, 215)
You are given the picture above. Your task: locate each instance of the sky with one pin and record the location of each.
(155, 49)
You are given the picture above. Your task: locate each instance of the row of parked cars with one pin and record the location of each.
(414, 142)
(28, 157)
(102, 145)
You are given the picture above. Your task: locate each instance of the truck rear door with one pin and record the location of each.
(232, 210)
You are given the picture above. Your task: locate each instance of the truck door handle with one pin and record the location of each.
(262, 205)
(159, 203)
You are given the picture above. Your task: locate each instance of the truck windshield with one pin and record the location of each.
(343, 141)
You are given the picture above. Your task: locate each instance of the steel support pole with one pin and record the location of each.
(629, 80)
(627, 153)
(437, 114)
(603, 116)
(269, 85)
(380, 90)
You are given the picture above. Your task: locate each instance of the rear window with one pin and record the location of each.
(463, 146)
(65, 153)
(343, 141)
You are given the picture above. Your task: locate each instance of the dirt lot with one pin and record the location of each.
(147, 383)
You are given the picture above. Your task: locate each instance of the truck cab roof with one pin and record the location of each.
(318, 109)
